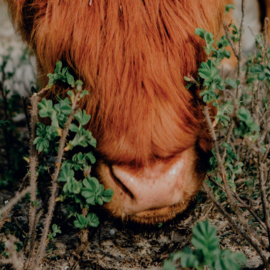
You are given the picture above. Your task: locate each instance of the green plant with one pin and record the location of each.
(55, 230)
(56, 151)
(82, 191)
(240, 132)
(206, 252)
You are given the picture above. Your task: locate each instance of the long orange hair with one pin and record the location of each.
(132, 56)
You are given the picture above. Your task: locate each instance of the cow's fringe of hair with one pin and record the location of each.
(143, 49)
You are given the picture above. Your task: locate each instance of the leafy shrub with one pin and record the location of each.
(52, 143)
(237, 175)
(207, 252)
(76, 185)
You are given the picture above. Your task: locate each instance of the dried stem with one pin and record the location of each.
(235, 226)
(14, 201)
(16, 262)
(47, 223)
(264, 132)
(243, 204)
(228, 140)
(238, 54)
(4, 218)
(265, 203)
(40, 93)
(226, 185)
(33, 171)
(239, 58)
(229, 39)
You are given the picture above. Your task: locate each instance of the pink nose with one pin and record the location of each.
(152, 187)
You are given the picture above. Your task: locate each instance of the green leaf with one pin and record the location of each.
(188, 259)
(200, 32)
(91, 183)
(45, 108)
(107, 195)
(94, 192)
(90, 156)
(70, 79)
(256, 69)
(41, 144)
(58, 67)
(187, 79)
(73, 128)
(80, 222)
(64, 106)
(82, 117)
(99, 200)
(204, 236)
(225, 260)
(84, 93)
(79, 85)
(56, 229)
(168, 265)
(93, 220)
(228, 7)
(232, 83)
(66, 173)
(83, 138)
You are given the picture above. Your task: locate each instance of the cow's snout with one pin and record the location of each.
(154, 192)
(152, 187)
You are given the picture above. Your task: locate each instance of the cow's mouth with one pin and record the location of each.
(152, 194)
(159, 215)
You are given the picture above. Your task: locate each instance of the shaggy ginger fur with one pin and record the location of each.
(132, 56)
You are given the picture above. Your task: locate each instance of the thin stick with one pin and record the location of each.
(228, 140)
(14, 201)
(33, 171)
(244, 205)
(235, 207)
(40, 93)
(239, 58)
(47, 223)
(235, 226)
(265, 203)
(16, 262)
(229, 39)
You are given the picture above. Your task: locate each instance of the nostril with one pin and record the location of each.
(120, 184)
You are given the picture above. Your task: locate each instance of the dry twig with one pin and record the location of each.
(14, 201)
(47, 223)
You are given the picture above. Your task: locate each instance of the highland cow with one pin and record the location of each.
(132, 55)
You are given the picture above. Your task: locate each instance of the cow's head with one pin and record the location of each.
(132, 55)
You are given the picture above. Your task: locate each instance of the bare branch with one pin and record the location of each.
(239, 58)
(33, 170)
(16, 262)
(265, 203)
(226, 185)
(235, 226)
(229, 39)
(14, 201)
(47, 223)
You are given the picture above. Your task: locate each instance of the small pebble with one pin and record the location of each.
(112, 232)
